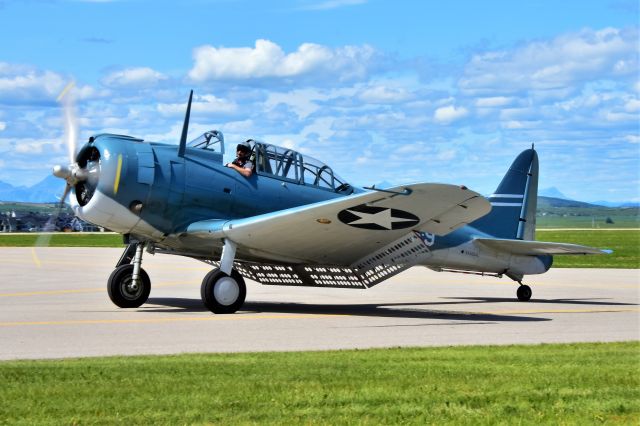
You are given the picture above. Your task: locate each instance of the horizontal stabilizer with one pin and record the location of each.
(535, 248)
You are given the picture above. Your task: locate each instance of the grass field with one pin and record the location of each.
(554, 384)
(62, 239)
(599, 222)
(624, 243)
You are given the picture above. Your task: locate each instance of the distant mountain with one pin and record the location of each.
(46, 191)
(547, 202)
(618, 204)
(552, 192)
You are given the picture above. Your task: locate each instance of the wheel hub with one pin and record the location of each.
(130, 290)
(226, 291)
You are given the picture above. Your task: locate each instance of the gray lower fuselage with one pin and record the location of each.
(147, 192)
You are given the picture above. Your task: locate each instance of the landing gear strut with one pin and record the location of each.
(223, 290)
(129, 285)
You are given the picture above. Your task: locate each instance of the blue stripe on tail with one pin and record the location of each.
(514, 202)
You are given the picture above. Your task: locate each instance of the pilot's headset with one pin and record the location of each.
(244, 147)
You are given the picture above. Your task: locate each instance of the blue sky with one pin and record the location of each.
(398, 91)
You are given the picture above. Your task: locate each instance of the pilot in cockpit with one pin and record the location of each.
(242, 164)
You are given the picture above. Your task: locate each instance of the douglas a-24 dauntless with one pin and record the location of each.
(293, 221)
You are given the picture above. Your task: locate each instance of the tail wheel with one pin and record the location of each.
(222, 293)
(524, 293)
(123, 292)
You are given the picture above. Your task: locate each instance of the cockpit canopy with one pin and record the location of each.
(289, 165)
(279, 162)
(213, 140)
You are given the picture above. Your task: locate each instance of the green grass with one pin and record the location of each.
(625, 245)
(553, 384)
(61, 240)
(599, 222)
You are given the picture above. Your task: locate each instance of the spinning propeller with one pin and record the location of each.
(72, 173)
(81, 173)
(83, 170)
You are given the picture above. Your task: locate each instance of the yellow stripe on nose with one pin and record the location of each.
(116, 182)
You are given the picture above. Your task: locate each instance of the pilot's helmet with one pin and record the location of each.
(244, 147)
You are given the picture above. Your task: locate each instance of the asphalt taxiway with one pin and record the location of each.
(54, 304)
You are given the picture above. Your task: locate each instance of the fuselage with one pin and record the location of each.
(146, 191)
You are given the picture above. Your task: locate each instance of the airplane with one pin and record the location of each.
(294, 221)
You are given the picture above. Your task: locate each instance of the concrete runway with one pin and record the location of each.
(54, 304)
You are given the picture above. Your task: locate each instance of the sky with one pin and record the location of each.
(393, 91)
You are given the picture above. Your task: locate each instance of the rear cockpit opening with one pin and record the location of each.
(289, 165)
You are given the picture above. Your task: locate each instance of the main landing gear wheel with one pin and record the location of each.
(221, 293)
(524, 293)
(123, 292)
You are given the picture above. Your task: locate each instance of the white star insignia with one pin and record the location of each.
(383, 219)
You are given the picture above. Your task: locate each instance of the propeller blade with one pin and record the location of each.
(44, 238)
(67, 189)
(65, 98)
(70, 121)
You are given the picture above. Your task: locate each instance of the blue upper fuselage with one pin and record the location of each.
(150, 192)
(169, 192)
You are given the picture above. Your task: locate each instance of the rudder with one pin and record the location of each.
(514, 202)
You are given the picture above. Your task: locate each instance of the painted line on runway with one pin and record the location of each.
(561, 311)
(35, 258)
(165, 320)
(50, 292)
(47, 262)
(87, 290)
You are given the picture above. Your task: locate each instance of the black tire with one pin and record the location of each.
(120, 292)
(231, 300)
(524, 293)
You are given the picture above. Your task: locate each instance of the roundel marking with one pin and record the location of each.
(377, 218)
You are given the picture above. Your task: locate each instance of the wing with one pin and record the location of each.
(343, 230)
(534, 248)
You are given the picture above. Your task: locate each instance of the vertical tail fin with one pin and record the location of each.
(514, 202)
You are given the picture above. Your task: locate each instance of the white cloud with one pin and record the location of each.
(554, 64)
(384, 95)
(520, 124)
(305, 102)
(615, 117)
(38, 146)
(332, 4)
(300, 101)
(632, 105)
(21, 83)
(268, 60)
(134, 77)
(205, 104)
(449, 114)
(3, 125)
(635, 139)
(495, 101)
